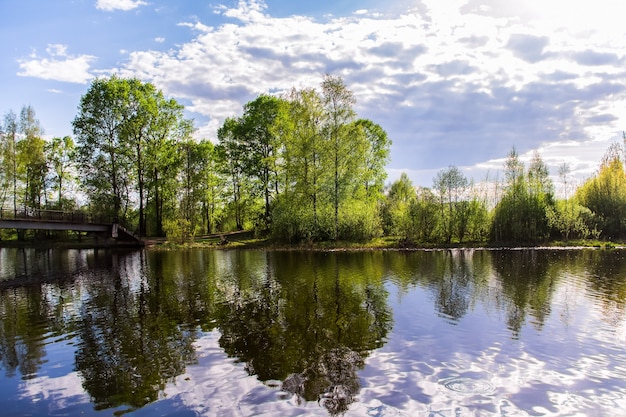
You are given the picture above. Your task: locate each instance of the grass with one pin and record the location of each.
(242, 240)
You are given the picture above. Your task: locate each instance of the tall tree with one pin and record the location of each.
(102, 153)
(9, 155)
(338, 101)
(451, 186)
(167, 128)
(125, 132)
(31, 159)
(213, 197)
(231, 153)
(302, 165)
(139, 107)
(376, 156)
(60, 154)
(522, 213)
(259, 126)
(195, 174)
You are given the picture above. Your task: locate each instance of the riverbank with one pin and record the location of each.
(241, 240)
(247, 240)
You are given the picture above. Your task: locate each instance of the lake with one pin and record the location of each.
(528, 332)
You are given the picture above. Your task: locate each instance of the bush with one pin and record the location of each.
(179, 230)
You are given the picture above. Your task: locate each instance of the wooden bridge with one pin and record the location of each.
(37, 219)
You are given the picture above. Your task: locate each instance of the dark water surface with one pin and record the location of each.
(242, 333)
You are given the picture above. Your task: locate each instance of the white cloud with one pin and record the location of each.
(452, 83)
(124, 5)
(159, 39)
(59, 66)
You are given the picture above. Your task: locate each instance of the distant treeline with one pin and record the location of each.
(300, 167)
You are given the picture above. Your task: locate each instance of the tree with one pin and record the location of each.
(231, 154)
(103, 157)
(259, 127)
(400, 196)
(376, 156)
(451, 186)
(214, 191)
(166, 128)
(522, 213)
(126, 131)
(605, 195)
(296, 212)
(9, 155)
(60, 154)
(338, 101)
(31, 159)
(195, 174)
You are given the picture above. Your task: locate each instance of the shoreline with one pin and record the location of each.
(243, 240)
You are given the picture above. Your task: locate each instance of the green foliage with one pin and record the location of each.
(421, 223)
(522, 213)
(478, 221)
(125, 133)
(302, 167)
(605, 196)
(395, 209)
(59, 154)
(451, 186)
(572, 221)
(179, 230)
(8, 155)
(317, 171)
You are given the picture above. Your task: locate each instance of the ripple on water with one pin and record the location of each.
(466, 385)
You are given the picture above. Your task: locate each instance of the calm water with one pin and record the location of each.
(241, 333)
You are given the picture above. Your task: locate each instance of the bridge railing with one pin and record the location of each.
(33, 214)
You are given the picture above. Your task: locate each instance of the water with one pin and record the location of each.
(240, 333)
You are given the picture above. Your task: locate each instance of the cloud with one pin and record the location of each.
(593, 58)
(124, 5)
(530, 48)
(456, 91)
(58, 66)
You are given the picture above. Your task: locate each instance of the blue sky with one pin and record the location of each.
(458, 82)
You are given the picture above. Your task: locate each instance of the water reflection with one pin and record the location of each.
(304, 321)
(318, 327)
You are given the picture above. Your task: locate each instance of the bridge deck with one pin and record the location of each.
(35, 219)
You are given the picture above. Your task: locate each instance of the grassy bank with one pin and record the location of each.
(246, 240)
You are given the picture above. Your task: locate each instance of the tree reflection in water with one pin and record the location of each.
(303, 321)
(130, 346)
(309, 321)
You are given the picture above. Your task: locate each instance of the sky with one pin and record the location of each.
(453, 83)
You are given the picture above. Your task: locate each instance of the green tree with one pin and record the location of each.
(451, 186)
(103, 157)
(478, 218)
(400, 196)
(568, 218)
(125, 132)
(338, 101)
(296, 212)
(163, 160)
(60, 154)
(259, 127)
(423, 216)
(195, 174)
(231, 153)
(31, 159)
(605, 195)
(9, 157)
(376, 156)
(522, 213)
